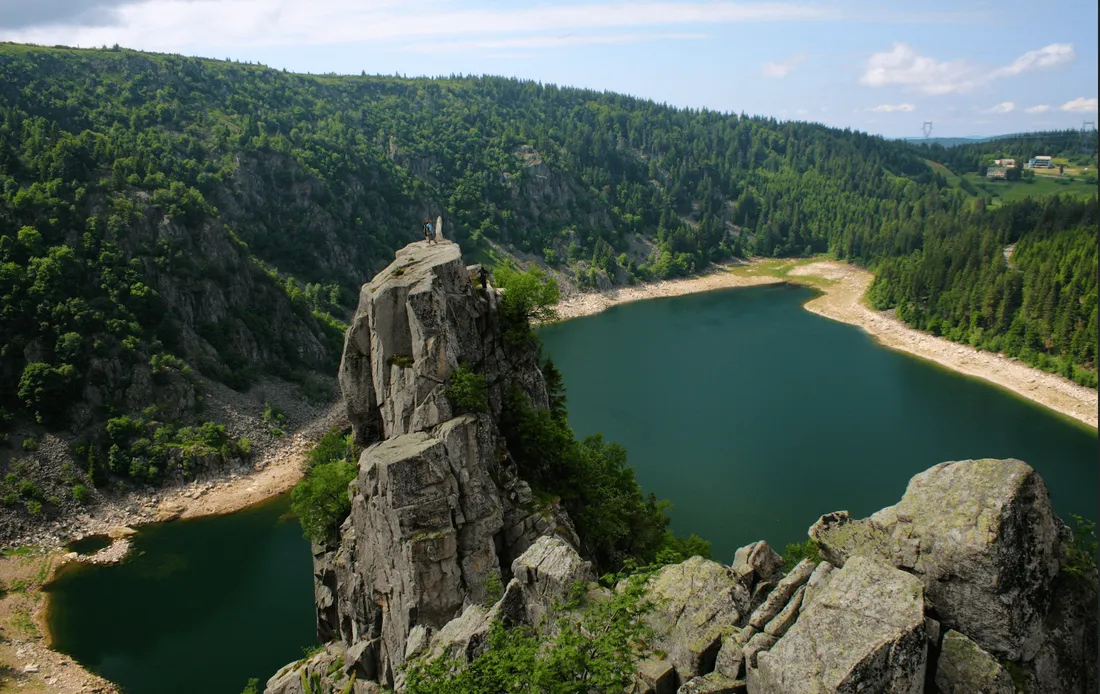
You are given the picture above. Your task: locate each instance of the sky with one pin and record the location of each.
(972, 68)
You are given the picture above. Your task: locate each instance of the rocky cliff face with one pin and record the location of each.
(957, 588)
(438, 511)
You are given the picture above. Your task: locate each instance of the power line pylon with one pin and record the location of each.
(1088, 137)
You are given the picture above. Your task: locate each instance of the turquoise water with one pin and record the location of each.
(200, 607)
(751, 414)
(755, 416)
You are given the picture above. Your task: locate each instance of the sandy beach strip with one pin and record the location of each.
(843, 288)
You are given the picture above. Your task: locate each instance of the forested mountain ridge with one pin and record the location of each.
(163, 217)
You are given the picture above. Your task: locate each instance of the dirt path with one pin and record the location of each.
(843, 288)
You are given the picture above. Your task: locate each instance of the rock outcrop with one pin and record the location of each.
(698, 603)
(950, 590)
(863, 632)
(964, 668)
(981, 536)
(417, 321)
(983, 539)
(438, 511)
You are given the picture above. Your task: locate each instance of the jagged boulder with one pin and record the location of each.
(982, 537)
(546, 573)
(780, 596)
(756, 562)
(417, 321)
(321, 672)
(964, 668)
(697, 603)
(654, 676)
(863, 632)
(712, 683)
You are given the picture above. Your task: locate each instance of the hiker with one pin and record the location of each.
(428, 235)
(483, 275)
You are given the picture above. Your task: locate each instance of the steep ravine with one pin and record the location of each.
(960, 587)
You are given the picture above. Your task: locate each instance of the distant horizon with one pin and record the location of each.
(974, 70)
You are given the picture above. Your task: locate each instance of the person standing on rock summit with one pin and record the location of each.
(429, 234)
(483, 276)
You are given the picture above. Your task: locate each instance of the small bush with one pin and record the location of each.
(273, 415)
(34, 507)
(321, 502)
(403, 360)
(493, 589)
(30, 445)
(80, 493)
(467, 391)
(1081, 553)
(798, 551)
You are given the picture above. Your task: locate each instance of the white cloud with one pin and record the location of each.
(1046, 57)
(890, 108)
(1038, 108)
(782, 68)
(1081, 105)
(173, 25)
(1003, 107)
(903, 66)
(544, 41)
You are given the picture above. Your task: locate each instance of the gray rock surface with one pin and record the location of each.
(964, 668)
(818, 580)
(982, 537)
(655, 676)
(779, 596)
(731, 656)
(780, 623)
(864, 632)
(320, 672)
(438, 507)
(756, 562)
(713, 683)
(698, 602)
(417, 321)
(547, 572)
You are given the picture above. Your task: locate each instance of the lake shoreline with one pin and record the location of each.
(275, 474)
(843, 287)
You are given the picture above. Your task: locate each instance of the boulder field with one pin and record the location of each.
(958, 588)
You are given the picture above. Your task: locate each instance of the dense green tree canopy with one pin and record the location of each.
(160, 214)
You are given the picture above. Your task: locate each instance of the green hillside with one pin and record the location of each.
(169, 223)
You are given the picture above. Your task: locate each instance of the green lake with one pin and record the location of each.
(755, 416)
(752, 415)
(201, 606)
